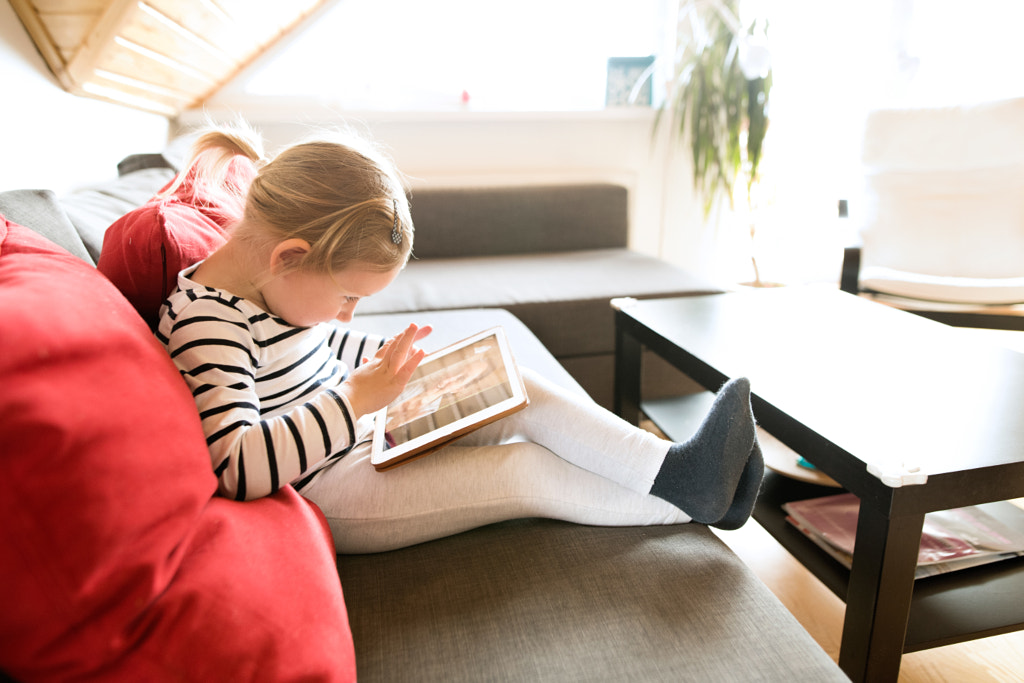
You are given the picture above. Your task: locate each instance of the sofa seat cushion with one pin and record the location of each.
(563, 297)
(539, 600)
(118, 564)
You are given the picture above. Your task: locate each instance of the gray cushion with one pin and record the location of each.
(538, 600)
(38, 210)
(139, 162)
(513, 220)
(562, 297)
(92, 209)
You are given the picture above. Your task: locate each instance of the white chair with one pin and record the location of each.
(942, 217)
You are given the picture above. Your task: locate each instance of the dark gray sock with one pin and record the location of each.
(700, 476)
(746, 493)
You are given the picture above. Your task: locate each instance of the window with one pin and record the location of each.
(531, 55)
(835, 62)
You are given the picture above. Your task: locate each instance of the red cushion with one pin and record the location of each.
(144, 250)
(117, 562)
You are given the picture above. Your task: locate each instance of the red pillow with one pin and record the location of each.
(144, 250)
(117, 561)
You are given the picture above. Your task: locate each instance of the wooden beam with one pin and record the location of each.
(26, 11)
(165, 55)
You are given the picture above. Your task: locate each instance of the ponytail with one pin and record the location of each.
(223, 162)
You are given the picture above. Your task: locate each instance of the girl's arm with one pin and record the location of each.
(254, 456)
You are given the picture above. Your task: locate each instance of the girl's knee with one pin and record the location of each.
(539, 388)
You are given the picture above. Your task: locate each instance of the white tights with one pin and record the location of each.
(563, 457)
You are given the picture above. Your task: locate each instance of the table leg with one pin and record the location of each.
(627, 374)
(879, 594)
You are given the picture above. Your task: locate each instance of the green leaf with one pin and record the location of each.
(712, 105)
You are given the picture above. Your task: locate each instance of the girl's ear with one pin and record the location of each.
(288, 255)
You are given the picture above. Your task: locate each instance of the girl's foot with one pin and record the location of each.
(746, 493)
(701, 476)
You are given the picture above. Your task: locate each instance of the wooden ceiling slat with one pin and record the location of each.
(186, 48)
(71, 6)
(160, 55)
(127, 60)
(215, 27)
(172, 99)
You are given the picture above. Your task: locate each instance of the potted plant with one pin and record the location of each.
(717, 101)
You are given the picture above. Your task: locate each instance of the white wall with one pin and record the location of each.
(51, 139)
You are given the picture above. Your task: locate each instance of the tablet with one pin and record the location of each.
(455, 390)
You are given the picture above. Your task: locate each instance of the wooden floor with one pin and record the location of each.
(998, 659)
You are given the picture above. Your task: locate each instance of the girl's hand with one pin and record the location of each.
(379, 381)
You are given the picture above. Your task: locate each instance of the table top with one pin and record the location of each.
(882, 385)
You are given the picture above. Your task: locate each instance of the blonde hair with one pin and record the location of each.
(222, 162)
(343, 196)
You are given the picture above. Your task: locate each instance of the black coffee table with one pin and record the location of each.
(855, 386)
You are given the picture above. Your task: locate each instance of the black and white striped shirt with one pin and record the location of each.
(266, 390)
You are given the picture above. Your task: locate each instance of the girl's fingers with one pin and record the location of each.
(396, 350)
(403, 344)
(411, 364)
(422, 332)
(388, 343)
(418, 332)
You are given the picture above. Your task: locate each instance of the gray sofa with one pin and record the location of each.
(553, 256)
(524, 600)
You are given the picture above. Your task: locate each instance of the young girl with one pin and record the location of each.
(286, 394)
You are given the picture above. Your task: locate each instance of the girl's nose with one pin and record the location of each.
(345, 314)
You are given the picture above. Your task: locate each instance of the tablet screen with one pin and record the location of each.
(452, 391)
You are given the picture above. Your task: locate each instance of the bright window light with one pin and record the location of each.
(532, 55)
(961, 53)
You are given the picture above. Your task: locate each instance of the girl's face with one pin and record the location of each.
(305, 299)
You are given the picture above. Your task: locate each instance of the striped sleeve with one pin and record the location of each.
(351, 347)
(213, 346)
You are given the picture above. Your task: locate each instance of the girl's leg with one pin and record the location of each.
(580, 431)
(714, 477)
(460, 487)
(602, 474)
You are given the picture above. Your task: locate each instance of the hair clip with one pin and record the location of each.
(396, 235)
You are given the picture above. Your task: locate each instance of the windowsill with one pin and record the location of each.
(310, 110)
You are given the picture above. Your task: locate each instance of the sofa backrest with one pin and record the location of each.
(449, 222)
(492, 221)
